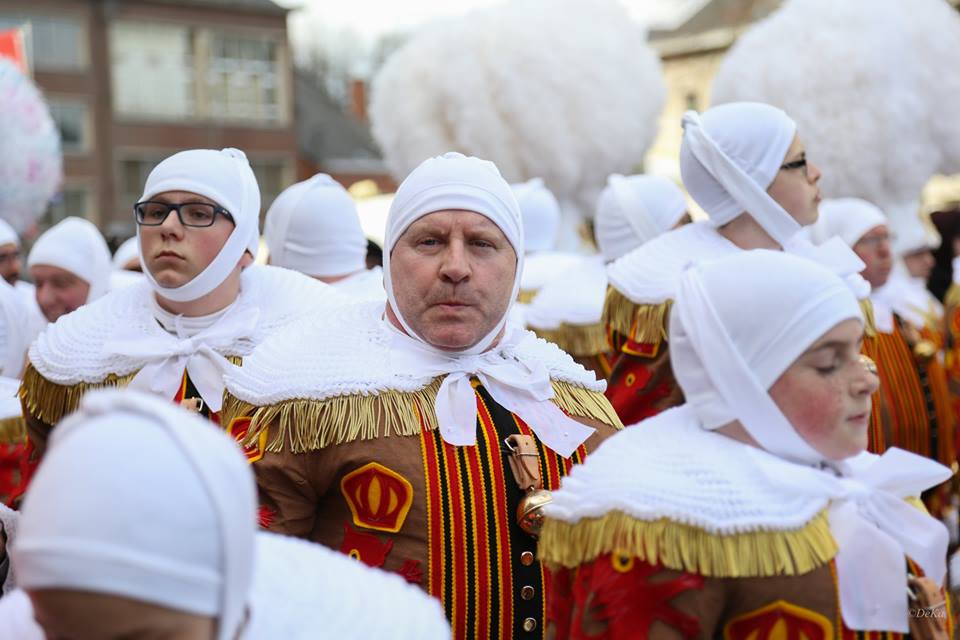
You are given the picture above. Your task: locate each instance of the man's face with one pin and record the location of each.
(920, 263)
(795, 186)
(175, 254)
(81, 615)
(452, 274)
(825, 393)
(58, 291)
(874, 249)
(10, 263)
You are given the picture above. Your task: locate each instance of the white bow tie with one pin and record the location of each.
(168, 356)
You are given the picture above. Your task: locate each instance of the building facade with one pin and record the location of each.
(130, 82)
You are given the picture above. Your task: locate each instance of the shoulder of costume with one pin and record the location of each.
(70, 357)
(329, 379)
(643, 282)
(672, 494)
(568, 310)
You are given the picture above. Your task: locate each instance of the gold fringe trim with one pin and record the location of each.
(643, 323)
(686, 548)
(526, 296)
(576, 339)
(869, 323)
(13, 430)
(49, 401)
(952, 297)
(308, 425)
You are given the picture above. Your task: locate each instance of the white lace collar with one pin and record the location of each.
(71, 351)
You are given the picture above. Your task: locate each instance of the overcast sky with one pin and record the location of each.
(371, 18)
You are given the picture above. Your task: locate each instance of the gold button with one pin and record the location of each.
(529, 624)
(527, 593)
(526, 558)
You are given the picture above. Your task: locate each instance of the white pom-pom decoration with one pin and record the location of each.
(563, 90)
(868, 82)
(31, 165)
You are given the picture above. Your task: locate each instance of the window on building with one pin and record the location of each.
(243, 77)
(73, 121)
(57, 43)
(178, 72)
(152, 70)
(74, 200)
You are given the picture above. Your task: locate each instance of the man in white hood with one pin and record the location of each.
(70, 266)
(201, 306)
(421, 435)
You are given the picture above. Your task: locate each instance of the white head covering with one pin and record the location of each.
(457, 182)
(138, 498)
(226, 178)
(633, 210)
(846, 218)
(15, 333)
(540, 213)
(313, 227)
(913, 233)
(129, 250)
(8, 234)
(450, 182)
(75, 245)
(728, 159)
(725, 362)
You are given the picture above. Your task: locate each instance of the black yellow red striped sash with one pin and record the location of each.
(903, 395)
(475, 546)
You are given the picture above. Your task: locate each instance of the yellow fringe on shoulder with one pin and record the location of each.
(577, 340)
(869, 323)
(686, 548)
(13, 430)
(49, 401)
(526, 296)
(307, 425)
(644, 323)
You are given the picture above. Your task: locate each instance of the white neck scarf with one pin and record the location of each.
(226, 178)
(725, 363)
(456, 182)
(15, 334)
(716, 181)
(169, 356)
(523, 389)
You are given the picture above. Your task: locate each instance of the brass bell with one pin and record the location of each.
(924, 350)
(530, 510)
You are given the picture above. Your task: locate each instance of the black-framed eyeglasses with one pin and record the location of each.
(796, 164)
(190, 214)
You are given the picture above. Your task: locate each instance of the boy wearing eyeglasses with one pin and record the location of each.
(202, 306)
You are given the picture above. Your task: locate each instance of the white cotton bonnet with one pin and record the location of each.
(226, 178)
(313, 227)
(454, 181)
(138, 498)
(540, 213)
(633, 210)
(75, 245)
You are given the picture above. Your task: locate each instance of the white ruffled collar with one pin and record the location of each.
(351, 353)
(650, 273)
(576, 297)
(72, 350)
